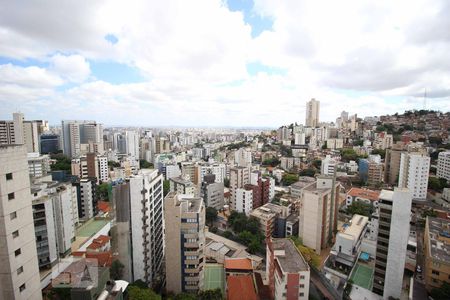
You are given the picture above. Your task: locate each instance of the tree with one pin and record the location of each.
(382, 153)
(166, 187)
(211, 215)
(137, 293)
(434, 183)
(186, 296)
(63, 163)
(210, 295)
(289, 179)
(360, 208)
(308, 172)
(113, 164)
(226, 182)
(228, 234)
(441, 293)
(102, 191)
(116, 270)
(143, 164)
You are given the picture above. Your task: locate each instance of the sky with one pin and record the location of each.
(221, 63)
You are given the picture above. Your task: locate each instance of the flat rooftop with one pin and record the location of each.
(439, 230)
(214, 277)
(357, 225)
(91, 227)
(362, 276)
(292, 261)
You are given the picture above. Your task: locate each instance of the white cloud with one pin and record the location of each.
(73, 68)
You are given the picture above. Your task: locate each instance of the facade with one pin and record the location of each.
(243, 157)
(318, 214)
(49, 143)
(38, 165)
(392, 241)
(239, 177)
(212, 192)
(185, 242)
(414, 172)
(268, 215)
(86, 198)
(19, 272)
(132, 144)
(182, 186)
(374, 174)
(312, 113)
(437, 252)
(80, 137)
(443, 165)
(91, 165)
(138, 234)
(244, 200)
(287, 270)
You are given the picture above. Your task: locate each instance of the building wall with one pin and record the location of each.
(13, 159)
(443, 166)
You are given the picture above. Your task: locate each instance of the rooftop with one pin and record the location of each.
(267, 211)
(238, 264)
(241, 287)
(357, 225)
(364, 193)
(291, 260)
(214, 277)
(439, 232)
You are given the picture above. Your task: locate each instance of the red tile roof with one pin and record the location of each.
(103, 206)
(241, 287)
(364, 193)
(104, 259)
(238, 264)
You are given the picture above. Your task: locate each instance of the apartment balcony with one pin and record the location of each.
(192, 261)
(191, 287)
(191, 253)
(192, 270)
(192, 279)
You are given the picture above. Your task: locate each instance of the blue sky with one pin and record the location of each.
(216, 63)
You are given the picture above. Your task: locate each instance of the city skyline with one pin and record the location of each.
(221, 63)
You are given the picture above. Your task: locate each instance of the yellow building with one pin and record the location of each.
(437, 252)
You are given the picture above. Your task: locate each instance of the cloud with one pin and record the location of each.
(73, 68)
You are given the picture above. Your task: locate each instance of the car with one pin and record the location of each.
(418, 269)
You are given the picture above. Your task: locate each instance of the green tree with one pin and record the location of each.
(211, 215)
(186, 296)
(245, 237)
(308, 172)
(102, 191)
(143, 164)
(137, 293)
(435, 184)
(210, 295)
(289, 179)
(166, 187)
(360, 208)
(226, 182)
(228, 234)
(63, 163)
(382, 153)
(116, 270)
(441, 293)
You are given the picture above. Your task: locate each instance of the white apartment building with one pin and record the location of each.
(392, 241)
(328, 166)
(414, 172)
(132, 144)
(443, 165)
(312, 113)
(19, 272)
(300, 138)
(182, 186)
(172, 171)
(38, 165)
(244, 201)
(91, 165)
(86, 198)
(217, 169)
(239, 177)
(243, 157)
(80, 137)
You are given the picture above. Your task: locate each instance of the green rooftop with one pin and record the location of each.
(91, 227)
(362, 276)
(214, 277)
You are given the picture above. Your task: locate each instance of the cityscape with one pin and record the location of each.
(260, 150)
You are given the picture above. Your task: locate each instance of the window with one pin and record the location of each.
(301, 286)
(13, 215)
(434, 272)
(9, 176)
(302, 294)
(19, 270)
(15, 234)
(17, 252)
(10, 196)
(302, 276)
(22, 287)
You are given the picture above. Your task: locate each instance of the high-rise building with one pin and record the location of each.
(414, 173)
(185, 242)
(38, 165)
(132, 144)
(443, 166)
(318, 213)
(90, 166)
(243, 157)
(81, 136)
(49, 143)
(86, 197)
(19, 272)
(312, 113)
(212, 192)
(392, 241)
(138, 235)
(393, 158)
(239, 177)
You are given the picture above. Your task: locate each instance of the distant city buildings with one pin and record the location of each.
(312, 113)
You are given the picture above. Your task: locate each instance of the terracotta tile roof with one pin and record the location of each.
(238, 264)
(99, 242)
(364, 193)
(241, 287)
(104, 259)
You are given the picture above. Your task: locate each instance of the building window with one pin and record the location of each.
(10, 196)
(9, 176)
(13, 215)
(22, 287)
(302, 294)
(17, 252)
(301, 286)
(20, 270)
(302, 276)
(435, 272)
(15, 234)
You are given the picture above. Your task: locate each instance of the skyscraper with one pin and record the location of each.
(312, 113)
(393, 233)
(185, 242)
(78, 133)
(19, 273)
(414, 173)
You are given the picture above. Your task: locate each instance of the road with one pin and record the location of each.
(419, 291)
